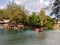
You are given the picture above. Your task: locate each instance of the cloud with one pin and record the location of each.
(1, 7)
(31, 5)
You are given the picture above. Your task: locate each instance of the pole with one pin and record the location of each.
(38, 5)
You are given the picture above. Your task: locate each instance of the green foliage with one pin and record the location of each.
(1, 13)
(49, 25)
(50, 22)
(56, 9)
(18, 13)
(42, 17)
(34, 19)
(14, 12)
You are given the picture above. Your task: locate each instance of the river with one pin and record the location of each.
(30, 38)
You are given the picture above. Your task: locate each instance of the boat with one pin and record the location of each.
(39, 29)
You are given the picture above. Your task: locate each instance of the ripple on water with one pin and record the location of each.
(31, 38)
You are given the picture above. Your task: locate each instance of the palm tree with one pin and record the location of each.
(56, 9)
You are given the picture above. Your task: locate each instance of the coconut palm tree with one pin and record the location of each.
(56, 9)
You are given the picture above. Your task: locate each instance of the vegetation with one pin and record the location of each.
(56, 9)
(19, 14)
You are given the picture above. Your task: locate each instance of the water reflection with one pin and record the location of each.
(30, 38)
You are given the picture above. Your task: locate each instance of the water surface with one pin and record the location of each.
(30, 38)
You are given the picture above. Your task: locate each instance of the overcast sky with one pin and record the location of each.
(31, 5)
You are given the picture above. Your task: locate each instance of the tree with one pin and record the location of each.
(14, 12)
(1, 13)
(25, 17)
(34, 19)
(42, 18)
(56, 9)
(50, 22)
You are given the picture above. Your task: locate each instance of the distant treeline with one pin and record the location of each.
(19, 14)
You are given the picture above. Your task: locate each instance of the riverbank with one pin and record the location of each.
(13, 25)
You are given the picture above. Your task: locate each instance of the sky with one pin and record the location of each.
(31, 5)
